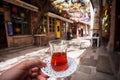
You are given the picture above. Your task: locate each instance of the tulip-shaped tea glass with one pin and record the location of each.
(58, 55)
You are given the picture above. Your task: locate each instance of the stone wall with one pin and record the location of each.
(112, 27)
(22, 40)
(114, 56)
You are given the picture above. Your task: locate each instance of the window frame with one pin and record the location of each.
(51, 24)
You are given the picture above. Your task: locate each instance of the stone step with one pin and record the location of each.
(88, 61)
(87, 69)
(79, 76)
(89, 73)
(104, 76)
(97, 76)
(103, 65)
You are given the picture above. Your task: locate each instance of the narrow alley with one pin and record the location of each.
(89, 27)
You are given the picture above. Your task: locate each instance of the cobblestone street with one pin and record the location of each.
(79, 49)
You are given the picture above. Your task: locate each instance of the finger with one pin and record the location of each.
(35, 63)
(42, 74)
(40, 77)
(35, 69)
(28, 64)
(35, 74)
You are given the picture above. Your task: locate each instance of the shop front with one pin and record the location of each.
(20, 20)
(58, 26)
(53, 27)
(18, 23)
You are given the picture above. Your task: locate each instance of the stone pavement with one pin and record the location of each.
(79, 49)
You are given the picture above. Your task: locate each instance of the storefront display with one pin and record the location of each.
(106, 22)
(20, 18)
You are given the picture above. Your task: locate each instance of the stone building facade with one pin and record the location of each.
(20, 20)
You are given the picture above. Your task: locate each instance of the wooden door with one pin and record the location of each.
(3, 40)
(58, 29)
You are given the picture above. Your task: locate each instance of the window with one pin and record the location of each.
(44, 25)
(20, 18)
(52, 25)
(63, 27)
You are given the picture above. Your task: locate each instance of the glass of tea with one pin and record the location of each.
(58, 55)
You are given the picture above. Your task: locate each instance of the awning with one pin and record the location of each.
(59, 17)
(23, 4)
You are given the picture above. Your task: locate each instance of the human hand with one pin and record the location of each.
(27, 69)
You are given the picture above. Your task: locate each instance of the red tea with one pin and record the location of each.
(59, 61)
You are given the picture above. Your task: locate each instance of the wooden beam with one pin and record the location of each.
(23, 4)
(59, 17)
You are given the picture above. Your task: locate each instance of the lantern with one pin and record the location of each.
(60, 11)
(15, 10)
(22, 14)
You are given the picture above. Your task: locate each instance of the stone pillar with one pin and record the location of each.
(110, 45)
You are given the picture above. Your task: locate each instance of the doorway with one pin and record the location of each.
(3, 39)
(58, 29)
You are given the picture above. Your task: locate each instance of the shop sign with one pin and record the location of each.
(10, 28)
